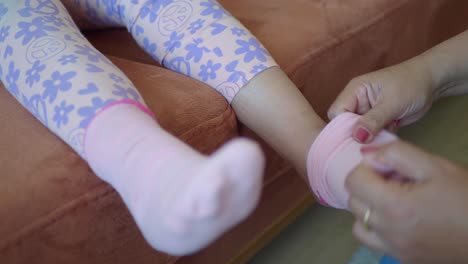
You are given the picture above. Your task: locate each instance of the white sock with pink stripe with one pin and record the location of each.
(180, 199)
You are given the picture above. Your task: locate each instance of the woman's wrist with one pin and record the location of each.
(447, 64)
(422, 69)
(435, 71)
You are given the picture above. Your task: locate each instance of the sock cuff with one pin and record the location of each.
(327, 143)
(143, 108)
(333, 156)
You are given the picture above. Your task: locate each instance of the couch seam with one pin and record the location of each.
(227, 112)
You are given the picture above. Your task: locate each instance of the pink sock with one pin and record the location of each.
(333, 156)
(180, 199)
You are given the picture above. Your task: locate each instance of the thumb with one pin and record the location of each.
(372, 122)
(405, 159)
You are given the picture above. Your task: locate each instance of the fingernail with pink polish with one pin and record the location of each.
(361, 135)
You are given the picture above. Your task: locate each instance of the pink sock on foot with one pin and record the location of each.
(180, 199)
(333, 156)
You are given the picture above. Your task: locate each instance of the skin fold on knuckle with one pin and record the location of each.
(361, 92)
(355, 82)
(374, 120)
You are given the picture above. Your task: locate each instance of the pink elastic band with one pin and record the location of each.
(139, 105)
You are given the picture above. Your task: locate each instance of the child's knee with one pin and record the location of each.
(197, 38)
(202, 40)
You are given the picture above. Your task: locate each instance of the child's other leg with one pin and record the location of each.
(181, 200)
(272, 106)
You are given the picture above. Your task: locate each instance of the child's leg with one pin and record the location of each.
(180, 199)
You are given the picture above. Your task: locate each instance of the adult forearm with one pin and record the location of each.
(448, 65)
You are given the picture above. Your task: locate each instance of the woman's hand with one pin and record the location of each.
(423, 220)
(403, 93)
(400, 94)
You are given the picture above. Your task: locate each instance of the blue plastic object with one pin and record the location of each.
(388, 260)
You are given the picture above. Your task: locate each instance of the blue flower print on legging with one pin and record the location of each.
(197, 38)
